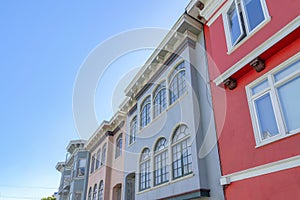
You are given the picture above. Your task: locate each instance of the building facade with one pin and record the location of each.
(254, 65)
(74, 172)
(107, 160)
(170, 122)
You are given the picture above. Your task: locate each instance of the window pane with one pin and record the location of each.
(266, 117)
(254, 12)
(289, 99)
(260, 87)
(287, 71)
(235, 26)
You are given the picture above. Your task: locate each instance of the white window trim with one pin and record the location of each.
(230, 47)
(281, 127)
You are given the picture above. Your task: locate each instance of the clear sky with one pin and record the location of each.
(43, 44)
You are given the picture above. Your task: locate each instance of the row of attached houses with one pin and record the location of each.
(213, 114)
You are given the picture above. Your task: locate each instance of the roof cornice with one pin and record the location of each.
(117, 121)
(185, 28)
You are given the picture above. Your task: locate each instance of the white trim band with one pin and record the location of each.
(290, 27)
(261, 170)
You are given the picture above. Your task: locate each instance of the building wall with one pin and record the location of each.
(237, 144)
(116, 165)
(281, 14)
(102, 173)
(191, 109)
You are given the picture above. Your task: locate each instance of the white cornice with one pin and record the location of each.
(159, 56)
(290, 27)
(104, 127)
(280, 165)
(208, 11)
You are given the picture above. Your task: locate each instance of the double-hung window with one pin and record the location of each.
(133, 130)
(177, 83)
(118, 146)
(145, 170)
(242, 18)
(161, 172)
(145, 112)
(100, 190)
(160, 99)
(181, 152)
(274, 103)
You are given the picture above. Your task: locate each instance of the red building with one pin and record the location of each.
(254, 67)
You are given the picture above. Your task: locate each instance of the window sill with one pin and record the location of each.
(231, 49)
(277, 138)
(167, 183)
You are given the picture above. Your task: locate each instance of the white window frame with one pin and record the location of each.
(119, 146)
(280, 121)
(248, 33)
(133, 130)
(145, 102)
(172, 75)
(158, 93)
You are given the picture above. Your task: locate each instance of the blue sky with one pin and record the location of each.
(43, 44)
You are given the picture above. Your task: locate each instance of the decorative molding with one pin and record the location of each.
(230, 83)
(290, 27)
(280, 165)
(186, 27)
(204, 9)
(258, 64)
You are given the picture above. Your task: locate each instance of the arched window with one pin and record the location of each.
(161, 172)
(160, 102)
(103, 157)
(98, 159)
(177, 83)
(100, 191)
(145, 112)
(118, 146)
(95, 192)
(93, 163)
(181, 152)
(145, 169)
(133, 130)
(90, 194)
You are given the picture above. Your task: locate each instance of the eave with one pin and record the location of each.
(185, 28)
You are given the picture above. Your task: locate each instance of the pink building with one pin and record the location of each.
(107, 161)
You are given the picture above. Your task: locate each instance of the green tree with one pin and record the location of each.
(48, 198)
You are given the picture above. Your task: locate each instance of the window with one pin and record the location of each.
(90, 194)
(243, 17)
(98, 159)
(100, 191)
(133, 130)
(274, 106)
(95, 192)
(119, 146)
(181, 153)
(93, 163)
(103, 157)
(145, 112)
(177, 83)
(161, 172)
(145, 169)
(160, 101)
(81, 167)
